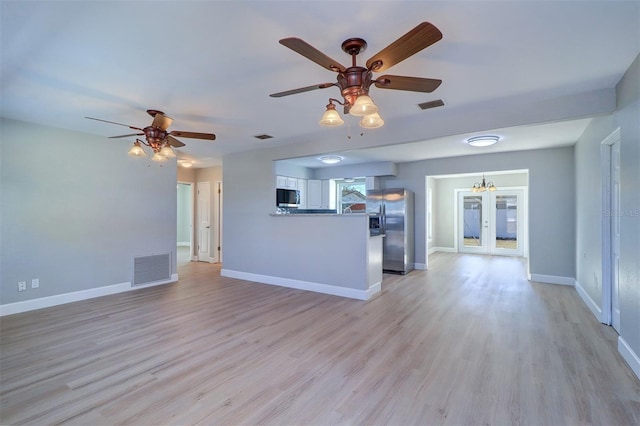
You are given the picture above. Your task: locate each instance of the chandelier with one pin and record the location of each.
(484, 186)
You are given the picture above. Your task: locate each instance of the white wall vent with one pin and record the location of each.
(151, 269)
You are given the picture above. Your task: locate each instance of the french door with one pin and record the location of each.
(491, 222)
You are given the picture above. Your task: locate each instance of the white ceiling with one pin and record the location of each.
(211, 66)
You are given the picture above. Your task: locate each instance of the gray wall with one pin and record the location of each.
(185, 206)
(443, 195)
(551, 183)
(589, 209)
(249, 185)
(75, 209)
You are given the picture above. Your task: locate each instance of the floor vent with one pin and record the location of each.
(151, 269)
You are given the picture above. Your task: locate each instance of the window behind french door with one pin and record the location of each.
(491, 222)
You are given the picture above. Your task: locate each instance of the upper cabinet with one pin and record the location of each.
(302, 189)
(318, 194)
(286, 182)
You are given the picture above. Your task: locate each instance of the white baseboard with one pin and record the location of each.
(75, 296)
(552, 279)
(350, 293)
(184, 244)
(591, 304)
(629, 355)
(445, 249)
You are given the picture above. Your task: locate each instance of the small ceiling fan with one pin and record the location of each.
(156, 134)
(354, 81)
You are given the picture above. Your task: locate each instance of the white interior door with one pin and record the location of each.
(218, 226)
(506, 222)
(204, 221)
(473, 222)
(615, 235)
(491, 222)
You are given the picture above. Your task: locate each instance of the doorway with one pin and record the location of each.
(184, 231)
(203, 203)
(610, 162)
(491, 222)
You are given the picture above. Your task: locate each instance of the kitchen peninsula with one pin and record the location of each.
(327, 253)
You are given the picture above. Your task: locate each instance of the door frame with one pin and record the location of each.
(217, 217)
(524, 218)
(484, 233)
(606, 309)
(207, 258)
(192, 228)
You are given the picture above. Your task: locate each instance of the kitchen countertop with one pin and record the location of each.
(316, 214)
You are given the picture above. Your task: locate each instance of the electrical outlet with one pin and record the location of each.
(22, 286)
(35, 283)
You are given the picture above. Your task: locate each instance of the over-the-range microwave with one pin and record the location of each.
(287, 197)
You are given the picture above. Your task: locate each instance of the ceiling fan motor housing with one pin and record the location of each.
(354, 82)
(155, 137)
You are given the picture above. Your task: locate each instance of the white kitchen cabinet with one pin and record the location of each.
(326, 194)
(314, 194)
(302, 188)
(318, 194)
(286, 182)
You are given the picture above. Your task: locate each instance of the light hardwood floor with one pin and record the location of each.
(468, 342)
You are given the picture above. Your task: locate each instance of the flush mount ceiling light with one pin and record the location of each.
(330, 159)
(185, 163)
(486, 140)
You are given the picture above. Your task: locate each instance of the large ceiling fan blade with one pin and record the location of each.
(302, 89)
(423, 35)
(194, 135)
(305, 49)
(173, 141)
(113, 122)
(126, 136)
(161, 121)
(414, 84)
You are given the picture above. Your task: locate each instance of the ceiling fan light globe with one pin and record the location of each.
(363, 106)
(167, 152)
(158, 157)
(137, 150)
(372, 121)
(331, 118)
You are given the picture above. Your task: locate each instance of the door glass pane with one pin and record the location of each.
(472, 221)
(507, 222)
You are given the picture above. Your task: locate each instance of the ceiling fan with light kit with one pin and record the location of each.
(157, 137)
(354, 81)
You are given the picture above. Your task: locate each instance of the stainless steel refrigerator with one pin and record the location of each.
(395, 210)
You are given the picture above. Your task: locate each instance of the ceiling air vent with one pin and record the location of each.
(431, 104)
(263, 137)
